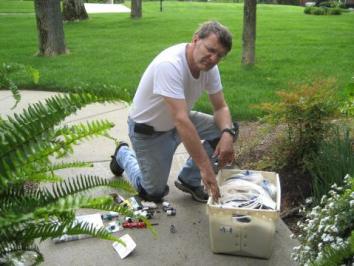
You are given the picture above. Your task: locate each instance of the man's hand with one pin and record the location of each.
(224, 150)
(209, 180)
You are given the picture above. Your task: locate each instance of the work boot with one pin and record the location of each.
(144, 196)
(114, 166)
(198, 193)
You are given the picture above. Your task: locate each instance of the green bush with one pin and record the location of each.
(318, 11)
(327, 232)
(347, 105)
(306, 110)
(308, 10)
(335, 11)
(322, 10)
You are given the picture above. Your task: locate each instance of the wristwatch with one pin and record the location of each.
(232, 131)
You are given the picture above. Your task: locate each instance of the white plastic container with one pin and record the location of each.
(243, 231)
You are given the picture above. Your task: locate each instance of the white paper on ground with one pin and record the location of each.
(124, 251)
(94, 219)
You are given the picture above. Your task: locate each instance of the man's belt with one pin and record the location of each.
(145, 129)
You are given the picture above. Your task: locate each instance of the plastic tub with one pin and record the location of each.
(243, 231)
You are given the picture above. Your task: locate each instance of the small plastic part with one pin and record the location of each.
(113, 227)
(109, 216)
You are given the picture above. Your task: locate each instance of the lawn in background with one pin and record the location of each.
(113, 49)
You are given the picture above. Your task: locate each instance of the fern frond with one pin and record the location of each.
(39, 118)
(69, 136)
(28, 135)
(84, 182)
(89, 229)
(17, 206)
(111, 93)
(7, 83)
(60, 208)
(16, 201)
(66, 165)
(40, 170)
(53, 228)
(40, 209)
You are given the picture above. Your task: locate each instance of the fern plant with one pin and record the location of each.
(7, 82)
(28, 141)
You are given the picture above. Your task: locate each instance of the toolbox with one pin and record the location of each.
(243, 231)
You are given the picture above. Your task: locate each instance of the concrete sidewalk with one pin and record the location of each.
(106, 8)
(188, 246)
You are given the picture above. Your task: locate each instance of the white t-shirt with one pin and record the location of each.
(169, 75)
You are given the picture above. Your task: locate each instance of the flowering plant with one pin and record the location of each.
(327, 232)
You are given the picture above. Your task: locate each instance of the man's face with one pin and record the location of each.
(207, 52)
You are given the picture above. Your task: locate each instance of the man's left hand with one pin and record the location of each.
(225, 150)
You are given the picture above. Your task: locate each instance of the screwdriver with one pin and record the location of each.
(135, 224)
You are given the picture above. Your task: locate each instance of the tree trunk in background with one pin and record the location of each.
(50, 27)
(136, 8)
(74, 10)
(249, 32)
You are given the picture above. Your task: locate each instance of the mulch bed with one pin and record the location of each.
(255, 142)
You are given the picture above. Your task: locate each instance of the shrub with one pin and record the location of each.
(306, 111)
(322, 10)
(335, 11)
(308, 10)
(329, 3)
(29, 140)
(318, 11)
(327, 233)
(347, 105)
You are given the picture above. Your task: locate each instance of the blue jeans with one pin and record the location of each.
(149, 166)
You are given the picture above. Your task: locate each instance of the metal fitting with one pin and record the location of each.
(165, 204)
(171, 212)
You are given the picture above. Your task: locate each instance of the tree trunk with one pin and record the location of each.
(74, 10)
(50, 27)
(249, 32)
(136, 8)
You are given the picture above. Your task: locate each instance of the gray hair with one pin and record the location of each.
(223, 34)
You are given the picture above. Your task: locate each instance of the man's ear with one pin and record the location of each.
(195, 39)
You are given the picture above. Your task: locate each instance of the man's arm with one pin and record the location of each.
(191, 141)
(222, 116)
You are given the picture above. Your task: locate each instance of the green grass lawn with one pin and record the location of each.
(113, 49)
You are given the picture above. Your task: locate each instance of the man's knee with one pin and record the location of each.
(154, 194)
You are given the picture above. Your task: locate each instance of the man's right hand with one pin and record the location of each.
(209, 180)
